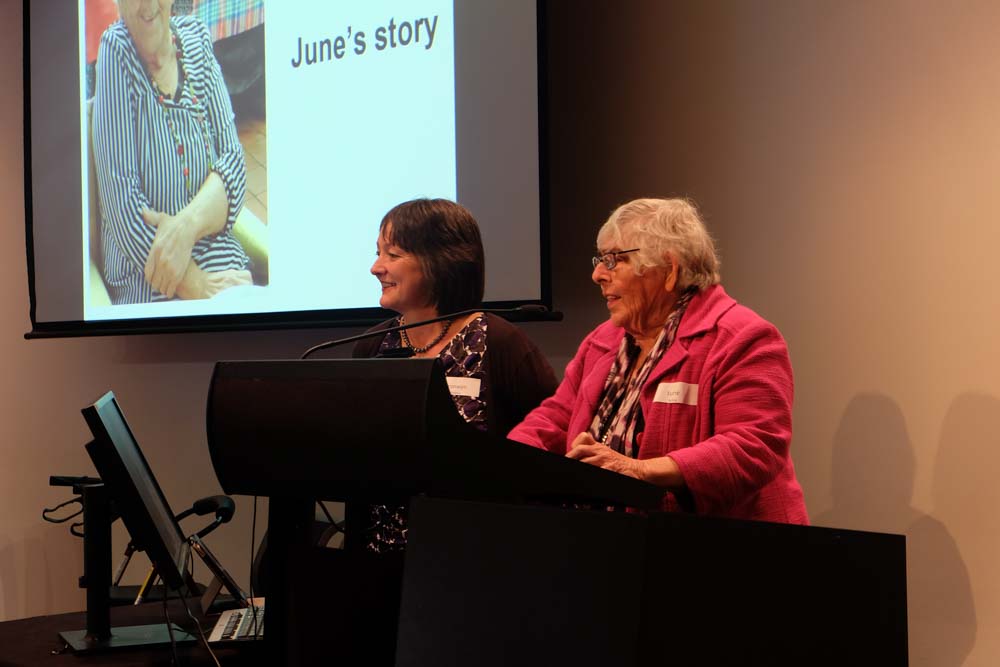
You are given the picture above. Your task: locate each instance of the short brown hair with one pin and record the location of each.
(445, 239)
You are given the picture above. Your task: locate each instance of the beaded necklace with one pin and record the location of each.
(421, 350)
(199, 114)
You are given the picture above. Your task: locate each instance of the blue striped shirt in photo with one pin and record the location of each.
(136, 156)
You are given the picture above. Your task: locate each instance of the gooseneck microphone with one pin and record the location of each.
(526, 308)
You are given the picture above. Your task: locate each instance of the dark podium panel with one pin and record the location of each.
(498, 569)
(527, 586)
(364, 431)
(379, 430)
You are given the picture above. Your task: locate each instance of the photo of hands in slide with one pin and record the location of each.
(209, 196)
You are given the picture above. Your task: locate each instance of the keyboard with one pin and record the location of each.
(238, 624)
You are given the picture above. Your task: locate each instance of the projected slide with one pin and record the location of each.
(249, 173)
(224, 164)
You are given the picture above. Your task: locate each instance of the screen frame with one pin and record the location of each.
(330, 318)
(148, 534)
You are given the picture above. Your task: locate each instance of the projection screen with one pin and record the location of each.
(317, 116)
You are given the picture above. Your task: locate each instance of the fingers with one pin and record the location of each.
(589, 455)
(171, 275)
(151, 217)
(200, 284)
(222, 280)
(169, 286)
(585, 448)
(588, 450)
(154, 268)
(169, 254)
(576, 450)
(160, 273)
(150, 269)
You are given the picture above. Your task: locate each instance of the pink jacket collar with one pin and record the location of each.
(702, 314)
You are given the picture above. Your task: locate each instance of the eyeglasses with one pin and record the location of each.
(610, 259)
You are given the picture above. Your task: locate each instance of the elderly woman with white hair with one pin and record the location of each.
(682, 387)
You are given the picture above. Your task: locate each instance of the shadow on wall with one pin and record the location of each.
(873, 475)
(965, 476)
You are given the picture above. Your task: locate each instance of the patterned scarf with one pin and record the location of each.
(619, 415)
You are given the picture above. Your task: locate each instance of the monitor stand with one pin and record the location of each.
(129, 636)
(99, 635)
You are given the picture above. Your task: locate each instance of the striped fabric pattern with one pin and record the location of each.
(137, 162)
(225, 18)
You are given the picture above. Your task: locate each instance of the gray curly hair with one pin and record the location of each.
(661, 229)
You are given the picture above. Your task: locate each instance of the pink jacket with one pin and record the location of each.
(719, 403)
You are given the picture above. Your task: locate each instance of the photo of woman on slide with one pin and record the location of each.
(171, 172)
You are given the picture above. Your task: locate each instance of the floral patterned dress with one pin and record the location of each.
(463, 357)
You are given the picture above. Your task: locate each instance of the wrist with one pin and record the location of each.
(662, 471)
(189, 225)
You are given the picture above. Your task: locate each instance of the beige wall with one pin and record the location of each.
(845, 155)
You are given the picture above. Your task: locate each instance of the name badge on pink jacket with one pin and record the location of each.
(676, 392)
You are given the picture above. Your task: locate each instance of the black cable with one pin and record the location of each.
(253, 538)
(46, 511)
(170, 629)
(197, 623)
(201, 633)
(74, 529)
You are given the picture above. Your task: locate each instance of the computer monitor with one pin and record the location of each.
(135, 492)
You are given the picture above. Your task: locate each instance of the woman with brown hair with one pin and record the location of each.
(430, 262)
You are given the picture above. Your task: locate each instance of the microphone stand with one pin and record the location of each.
(527, 308)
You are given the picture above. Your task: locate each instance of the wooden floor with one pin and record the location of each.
(253, 136)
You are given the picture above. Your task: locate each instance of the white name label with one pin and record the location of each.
(676, 392)
(464, 386)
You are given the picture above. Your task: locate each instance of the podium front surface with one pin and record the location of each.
(492, 585)
(379, 430)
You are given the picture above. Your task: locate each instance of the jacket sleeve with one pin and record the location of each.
(751, 402)
(119, 182)
(546, 426)
(230, 163)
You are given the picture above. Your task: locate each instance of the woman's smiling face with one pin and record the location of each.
(404, 285)
(148, 21)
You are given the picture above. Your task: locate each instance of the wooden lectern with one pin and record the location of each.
(500, 567)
